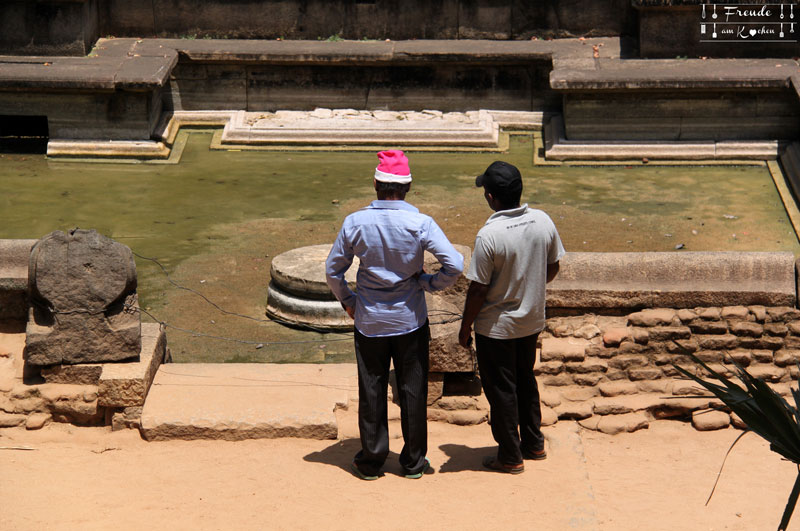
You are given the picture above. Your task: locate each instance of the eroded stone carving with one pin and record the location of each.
(82, 293)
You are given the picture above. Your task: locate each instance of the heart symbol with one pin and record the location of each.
(753, 32)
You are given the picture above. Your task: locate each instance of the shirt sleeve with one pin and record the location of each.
(339, 261)
(452, 262)
(556, 250)
(481, 266)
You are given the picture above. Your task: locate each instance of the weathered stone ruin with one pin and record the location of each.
(82, 295)
(72, 345)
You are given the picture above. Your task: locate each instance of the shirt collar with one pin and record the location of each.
(510, 213)
(392, 205)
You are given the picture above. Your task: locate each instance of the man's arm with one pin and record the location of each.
(552, 270)
(476, 296)
(452, 261)
(339, 261)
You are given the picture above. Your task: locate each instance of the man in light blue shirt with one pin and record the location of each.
(390, 237)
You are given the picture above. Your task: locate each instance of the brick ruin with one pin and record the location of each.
(617, 324)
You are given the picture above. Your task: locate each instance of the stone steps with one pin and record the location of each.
(246, 401)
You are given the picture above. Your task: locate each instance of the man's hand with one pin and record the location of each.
(465, 336)
(476, 296)
(350, 311)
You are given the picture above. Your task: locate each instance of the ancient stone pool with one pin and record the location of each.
(216, 219)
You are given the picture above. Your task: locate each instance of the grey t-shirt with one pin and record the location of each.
(511, 254)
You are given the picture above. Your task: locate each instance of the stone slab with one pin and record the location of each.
(348, 126)
(127, 384)
(107, 148)
(247, 401)
(14, 256)
(648, 74)
(673, 280)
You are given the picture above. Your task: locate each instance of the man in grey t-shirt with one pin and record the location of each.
(516, 253)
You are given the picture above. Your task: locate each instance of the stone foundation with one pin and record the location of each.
(89, 395)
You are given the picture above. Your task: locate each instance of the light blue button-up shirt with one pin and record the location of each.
(389, 238)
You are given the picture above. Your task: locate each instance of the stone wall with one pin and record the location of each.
(682, 115)
(617, 373)
(106, 115)
(52, 27)
(376, 19)
(607, 354)
(70, 27)
(446, 87)
(667, 30)
(610, 345)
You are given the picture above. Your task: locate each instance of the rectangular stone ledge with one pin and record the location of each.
(557, 147)
(170, 123)
(598, 281)
(518, 120)
(668, 74)
(107, 148)
(127, 384)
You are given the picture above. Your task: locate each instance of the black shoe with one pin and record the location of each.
(492, 463)
(535, 455)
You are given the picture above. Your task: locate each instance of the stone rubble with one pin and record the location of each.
(623, 376)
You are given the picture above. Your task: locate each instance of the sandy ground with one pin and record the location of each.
(659, 478)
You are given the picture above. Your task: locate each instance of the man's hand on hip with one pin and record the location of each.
(351, 312)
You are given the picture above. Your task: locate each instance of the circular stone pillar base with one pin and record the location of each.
(293, 310)
(299, 295)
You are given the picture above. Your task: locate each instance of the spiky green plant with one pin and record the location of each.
(765, 413)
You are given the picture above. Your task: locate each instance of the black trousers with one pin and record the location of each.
(410, 355)
(506, 367)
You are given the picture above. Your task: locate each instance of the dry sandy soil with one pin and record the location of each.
(659, 478)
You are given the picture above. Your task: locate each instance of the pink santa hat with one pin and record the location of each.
(393, 167)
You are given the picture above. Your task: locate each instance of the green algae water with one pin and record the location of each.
(216, 219)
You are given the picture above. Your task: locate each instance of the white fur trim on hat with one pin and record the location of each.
(391, 178)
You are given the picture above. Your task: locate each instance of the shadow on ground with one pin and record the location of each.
(340, 454)
(461, 458)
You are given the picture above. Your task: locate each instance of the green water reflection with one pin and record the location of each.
(216, 219)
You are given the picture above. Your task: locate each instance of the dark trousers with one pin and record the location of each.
(410, 355)
(506, 367)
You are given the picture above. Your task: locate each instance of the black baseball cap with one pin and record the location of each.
(500, 177)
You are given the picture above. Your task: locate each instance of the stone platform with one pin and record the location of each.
(246, 401)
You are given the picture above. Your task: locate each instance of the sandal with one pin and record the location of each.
(359, 474)
(419, 474)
